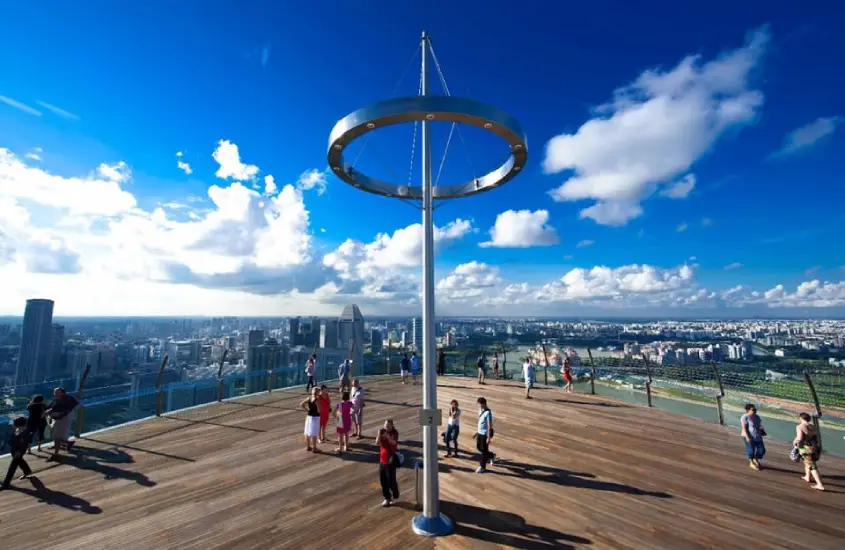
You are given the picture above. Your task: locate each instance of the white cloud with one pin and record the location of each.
(654, 130)
(585, 242)
(57, 110)
(229, 159)
(682, 227)
(735, 265)
(313, 179)
(118, 172)
(269, 185)
(681, 188)
(20, 106)
(809, 294)
(468, 280)
(182, 165)
(33, 156)
(522, 229)
(809, 134)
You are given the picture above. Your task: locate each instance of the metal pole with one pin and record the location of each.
(430, 523)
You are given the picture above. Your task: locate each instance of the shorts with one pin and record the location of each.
(529, 383)
(403, 372)
(358, 416)
(567, 377)
(344, 381)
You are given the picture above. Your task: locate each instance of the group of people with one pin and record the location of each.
(348, 413)
(26, 429)
(806, 446)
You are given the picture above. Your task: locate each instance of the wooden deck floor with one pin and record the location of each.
(576, 471)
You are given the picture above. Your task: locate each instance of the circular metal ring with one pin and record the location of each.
(421, 108)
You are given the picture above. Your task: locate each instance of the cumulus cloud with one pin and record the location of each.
(468, 280)
(228, 157)
(182, 165)
(118, 172)
(681, 188)
(522, 229)
(808, 135)
(269, 185)
(654, 130)
(313, 179)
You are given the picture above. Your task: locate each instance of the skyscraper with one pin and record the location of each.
(350, 327)
(416, 334)
(36, 352)
(293, 330)
(328, 334)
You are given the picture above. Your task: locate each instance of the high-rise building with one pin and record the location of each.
(350, 328)
(57, 352)
(376, 341)
(260, 359)
(328, 334)
(36, 353)
(416, 334)
(293, 330)
(255, 337)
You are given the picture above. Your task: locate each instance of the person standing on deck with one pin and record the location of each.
(404, 367)
(344, 372)
(453, 428)
(441, 362)
(807, 441)
(325, 405)
(19, 443)
(415, 367)
(61, 414)
(752, 434)
(482, 367)
(484, 435)
(528, 375)
(310, 370)
(343, 413)
(566, 371)
(312, 420)
(36, 424)
(357, 408)
(387, 440)
(496, 366)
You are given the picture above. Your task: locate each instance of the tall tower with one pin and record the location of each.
(350, 328)
(417, 334)
(36, 352)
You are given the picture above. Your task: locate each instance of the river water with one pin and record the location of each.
(777, 429)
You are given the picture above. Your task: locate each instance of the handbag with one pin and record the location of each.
(396, 459)
(795, 455)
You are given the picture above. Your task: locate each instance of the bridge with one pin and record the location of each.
(574, 470)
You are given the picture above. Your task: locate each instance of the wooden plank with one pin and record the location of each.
(575, 471)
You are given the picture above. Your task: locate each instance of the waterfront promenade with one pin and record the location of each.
(575, 471)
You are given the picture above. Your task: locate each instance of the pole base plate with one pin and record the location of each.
(432, 527)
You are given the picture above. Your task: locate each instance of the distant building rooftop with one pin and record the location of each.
(351, 313)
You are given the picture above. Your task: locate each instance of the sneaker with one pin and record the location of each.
(480, 470)
(385, 503)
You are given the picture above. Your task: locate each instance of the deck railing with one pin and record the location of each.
(818, 391)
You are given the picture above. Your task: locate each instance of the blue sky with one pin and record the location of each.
(135, 84)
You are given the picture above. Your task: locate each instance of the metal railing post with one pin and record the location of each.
(719, 404)
(80, 417)
(466, 357)
(648, 379)
(817, 406)
(159, 403)
(546, 367)
(387, 357)
(504, 363)
(220, 376)
(592, 372)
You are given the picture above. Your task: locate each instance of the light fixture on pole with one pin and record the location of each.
(424, 109)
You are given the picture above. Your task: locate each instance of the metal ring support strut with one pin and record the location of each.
(428, 108)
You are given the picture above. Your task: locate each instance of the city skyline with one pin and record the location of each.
(661, 180)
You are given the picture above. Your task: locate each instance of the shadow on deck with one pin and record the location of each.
(572, 471)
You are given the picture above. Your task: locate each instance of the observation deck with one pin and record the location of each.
(573, 470)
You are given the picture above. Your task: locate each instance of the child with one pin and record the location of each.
(36, 423)
(19, 442)
(325, 404)
(453, 428)
(343, 412)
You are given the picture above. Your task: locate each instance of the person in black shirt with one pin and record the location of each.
(36, 423)
(61, 412)
(441, 362)
(19, 442)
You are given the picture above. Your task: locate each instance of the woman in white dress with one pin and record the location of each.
(312, 419)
